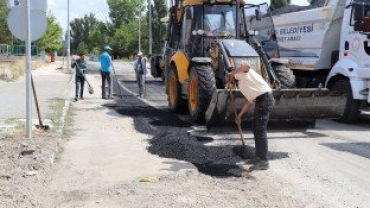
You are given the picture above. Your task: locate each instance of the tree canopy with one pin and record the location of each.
(87, 30)
(6, 36)
(276, 4)
(89, 34)
(53, 38)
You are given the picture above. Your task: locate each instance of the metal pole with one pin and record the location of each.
(28, 74)
(140, 27)
(68, 39)
(150, 28)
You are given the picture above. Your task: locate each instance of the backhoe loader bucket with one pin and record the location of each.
(291, 104)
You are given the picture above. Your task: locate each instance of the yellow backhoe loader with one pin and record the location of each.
(209, 38)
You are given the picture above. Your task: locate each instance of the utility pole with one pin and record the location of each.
(150, 28)
(28, 74)
(140, 27)
(68, 39)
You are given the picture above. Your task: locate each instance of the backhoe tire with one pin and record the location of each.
(173, 87)
(285, 76)
(202, 85)
(352, 110)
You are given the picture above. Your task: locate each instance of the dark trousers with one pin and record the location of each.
(263, 107)
(106, 79)
(140, 78)
(80, 83)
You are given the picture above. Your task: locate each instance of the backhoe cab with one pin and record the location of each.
(204, 47)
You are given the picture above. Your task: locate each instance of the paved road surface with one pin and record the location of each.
(329, 163)
(50, 84)
(118, 142)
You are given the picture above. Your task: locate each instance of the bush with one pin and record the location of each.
(11, 71)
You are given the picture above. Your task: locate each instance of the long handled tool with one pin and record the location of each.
(115, 76)
(232, 96)
(41, 125)
(90, 88)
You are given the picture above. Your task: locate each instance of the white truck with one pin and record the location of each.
(330, 45)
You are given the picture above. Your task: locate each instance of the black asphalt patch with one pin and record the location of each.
(171, 139)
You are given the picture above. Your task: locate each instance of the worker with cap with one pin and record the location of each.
(106, 69)
(140, 70)
(257, 92)
(81, 67)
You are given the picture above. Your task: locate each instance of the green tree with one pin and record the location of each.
(122, 12)
(126, 41)
(123, 30)
(97, 39)
(6, 36)
(276, 4)
(52, 39)
(159, 29)
(85, 30)
(82, 48)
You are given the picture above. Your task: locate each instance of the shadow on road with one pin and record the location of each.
(361, 148)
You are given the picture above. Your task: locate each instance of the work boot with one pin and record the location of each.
(261, 165)
(253, 161)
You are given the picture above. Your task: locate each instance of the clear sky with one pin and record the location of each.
(79, 8)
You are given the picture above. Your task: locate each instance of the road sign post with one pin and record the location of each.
(28, 74)
(68, 38)
(32, 26)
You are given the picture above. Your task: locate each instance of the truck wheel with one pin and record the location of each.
(285, 75)
(351, 112)
(175, 102)
(202, 85)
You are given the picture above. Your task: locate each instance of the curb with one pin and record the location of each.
(59, 132)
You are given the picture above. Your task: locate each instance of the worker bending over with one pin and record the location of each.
(258, 92)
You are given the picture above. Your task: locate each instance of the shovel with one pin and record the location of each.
(40, 125)
(236, 114)
(118, 85)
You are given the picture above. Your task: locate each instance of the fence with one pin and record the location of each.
(17, 50)
(4, 50)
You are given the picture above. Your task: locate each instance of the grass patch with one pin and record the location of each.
(68, 130)
(12, 71)
(56, 111)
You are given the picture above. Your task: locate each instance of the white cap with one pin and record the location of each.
(140, 53)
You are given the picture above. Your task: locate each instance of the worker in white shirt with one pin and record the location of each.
(257, 92)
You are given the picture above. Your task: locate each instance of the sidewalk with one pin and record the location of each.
(51, 85)
(105, 151)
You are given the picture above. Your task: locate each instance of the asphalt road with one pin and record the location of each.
(50, 84)
(327, 165)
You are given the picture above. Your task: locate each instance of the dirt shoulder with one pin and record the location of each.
(25, 163)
